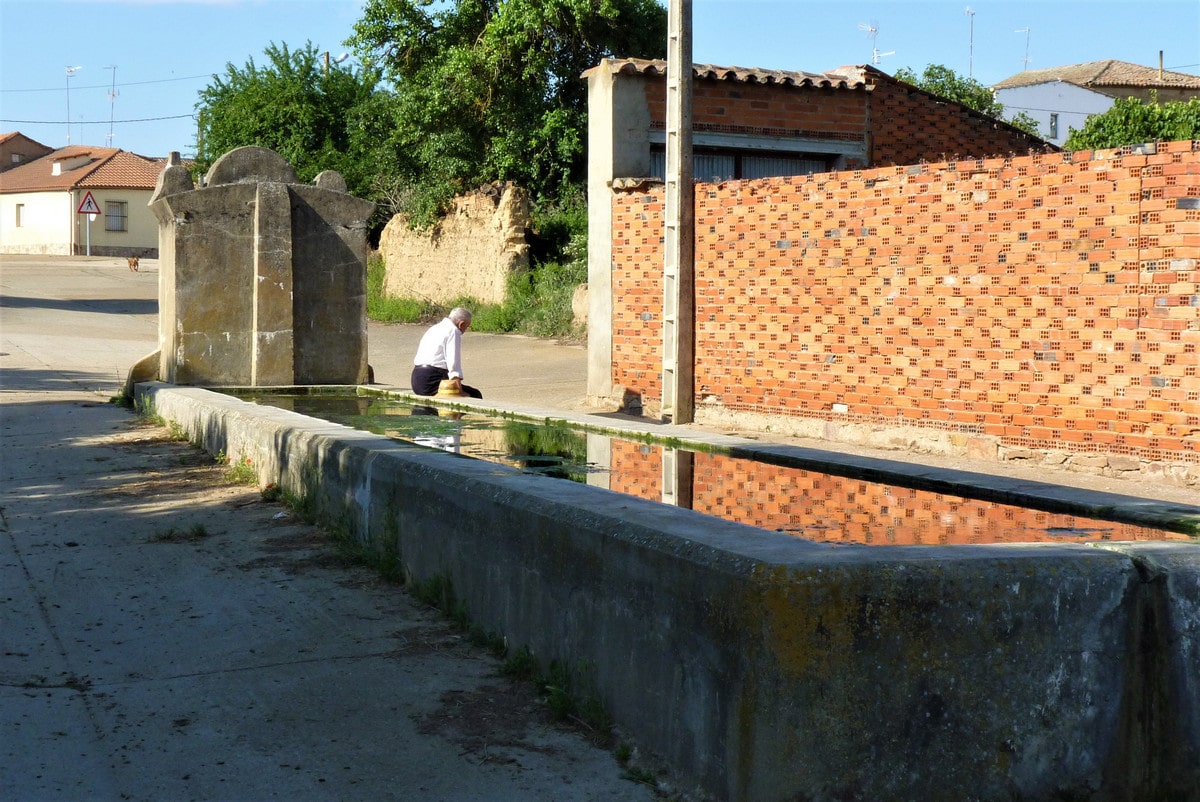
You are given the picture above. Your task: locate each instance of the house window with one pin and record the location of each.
(20, 214)
(1053, 125)
(116, 216)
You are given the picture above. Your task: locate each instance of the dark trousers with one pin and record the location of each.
(426, 378)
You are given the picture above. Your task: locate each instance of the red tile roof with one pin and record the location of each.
(104, 168)
(842, 78)
(1104, 74)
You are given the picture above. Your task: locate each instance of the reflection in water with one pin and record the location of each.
(808, 504)
(449, 440)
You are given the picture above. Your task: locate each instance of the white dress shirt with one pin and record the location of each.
(441, 347)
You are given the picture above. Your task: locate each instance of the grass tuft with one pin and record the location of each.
(196, 531)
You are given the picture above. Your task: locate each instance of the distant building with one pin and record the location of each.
(40, 201)
(1062, 98)
(17, 149)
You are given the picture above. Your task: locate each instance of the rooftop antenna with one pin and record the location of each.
(1026, 32)
(70, 71)
(112, 98)
(971, 56)
(873, 32)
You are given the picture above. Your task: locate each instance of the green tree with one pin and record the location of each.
(1025, 123)
(1130, 121)
(490, 90)
(317, 117)
(945, 83)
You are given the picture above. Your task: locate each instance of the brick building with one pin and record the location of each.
(17, 149)
(751, 123)
(1043, 308)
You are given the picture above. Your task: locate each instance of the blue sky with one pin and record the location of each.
(161, 53)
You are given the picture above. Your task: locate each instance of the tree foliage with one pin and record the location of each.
(316, 118)
(490, 90)
(1130, 121)
(945, 83)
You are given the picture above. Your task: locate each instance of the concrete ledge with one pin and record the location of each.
(770, 668)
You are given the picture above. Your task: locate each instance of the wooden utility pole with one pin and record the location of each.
(679, 302)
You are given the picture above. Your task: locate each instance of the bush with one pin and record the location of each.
(1131, 121)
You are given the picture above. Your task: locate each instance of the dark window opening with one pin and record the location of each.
(116, 216)
(714, 164)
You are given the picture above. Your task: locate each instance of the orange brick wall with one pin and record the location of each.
(1051, 302)
(736, 106)
(901, 124)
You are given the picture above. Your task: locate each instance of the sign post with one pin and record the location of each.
(91, 209)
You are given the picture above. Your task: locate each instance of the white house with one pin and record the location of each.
(42, 203)
(1062, 98)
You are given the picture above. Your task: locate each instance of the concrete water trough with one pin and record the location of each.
(763, 666)
(805, 492)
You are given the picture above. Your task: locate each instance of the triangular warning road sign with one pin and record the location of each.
(89, 205)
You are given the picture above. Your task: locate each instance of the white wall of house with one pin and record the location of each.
(1072, 104)
(47, 223)
(36, 223)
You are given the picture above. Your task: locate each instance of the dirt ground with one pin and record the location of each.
(492, 723)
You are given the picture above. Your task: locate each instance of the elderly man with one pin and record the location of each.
(439, 355)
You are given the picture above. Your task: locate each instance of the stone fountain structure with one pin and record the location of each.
(262, 279)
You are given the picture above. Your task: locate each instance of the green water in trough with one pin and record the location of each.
(809, 504)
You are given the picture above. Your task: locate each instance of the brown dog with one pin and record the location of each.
(133, 263)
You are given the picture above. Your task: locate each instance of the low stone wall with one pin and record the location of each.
(471, 252)
(764, 667)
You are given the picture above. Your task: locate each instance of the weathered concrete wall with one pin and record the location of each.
(471, 252)
(769, 668)
(262, 279)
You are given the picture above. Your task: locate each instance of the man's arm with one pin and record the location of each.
(454, 354)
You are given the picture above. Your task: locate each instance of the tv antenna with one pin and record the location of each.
(971, 52)
(112, 99)
(1026, 32)
(873, 32)
(70, 71)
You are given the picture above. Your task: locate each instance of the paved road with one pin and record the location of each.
(167, 636)
(94, 318)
